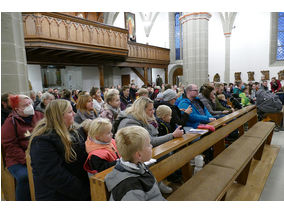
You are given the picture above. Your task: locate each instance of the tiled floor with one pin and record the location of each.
(274, 187)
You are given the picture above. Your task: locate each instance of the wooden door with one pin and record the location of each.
(125, 80)
(177, 72)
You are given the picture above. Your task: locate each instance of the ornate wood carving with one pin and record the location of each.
(238, 76)
(265, 73)
(67, 33)
(216, 78)
(281, 75)
(250, 76)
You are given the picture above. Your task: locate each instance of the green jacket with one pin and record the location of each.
(245, 99)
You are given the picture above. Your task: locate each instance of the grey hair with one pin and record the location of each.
(45, 96)
(189, 87)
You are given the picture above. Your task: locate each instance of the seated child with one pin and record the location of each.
(111, 108)
(245, 97)
(164, 115)
(130, 179)
(223, 101)
(101, 148)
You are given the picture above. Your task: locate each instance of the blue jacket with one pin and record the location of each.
(195, 118)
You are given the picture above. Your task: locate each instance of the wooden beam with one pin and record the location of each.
(166, 76)
(145, 75)
(101, 69)
(138, 73)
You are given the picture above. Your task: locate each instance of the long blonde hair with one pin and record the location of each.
(53, 120)
(137, 109)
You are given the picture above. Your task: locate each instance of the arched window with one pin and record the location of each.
(280, 40)
(178, 37)
(277, 39)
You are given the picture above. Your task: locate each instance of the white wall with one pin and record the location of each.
(249, 46)
(90, 77)
(159, 35)
(34, 75)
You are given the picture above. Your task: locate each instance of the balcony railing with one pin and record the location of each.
(63, 32)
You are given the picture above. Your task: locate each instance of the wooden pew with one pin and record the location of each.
(233, 164)
(181, 158)
(30, 175)
(8, 182)
(275, 117)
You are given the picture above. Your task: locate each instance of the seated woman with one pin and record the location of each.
(98, 102)
(85, 109)
(57, 156)
(207, 97)
(141, 113)
(46, 98)
(14, 140)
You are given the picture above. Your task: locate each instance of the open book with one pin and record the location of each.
(195, 131)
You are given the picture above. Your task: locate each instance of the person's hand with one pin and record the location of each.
(212, 119)
(225, 112)
(178, 132)
(188, 110)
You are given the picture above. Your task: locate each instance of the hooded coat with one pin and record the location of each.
(135, 183)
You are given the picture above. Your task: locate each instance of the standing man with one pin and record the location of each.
(159, 81)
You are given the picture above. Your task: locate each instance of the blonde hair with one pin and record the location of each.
(110, 94)
(130, 140)
(137, 109)
(53, 120)
(98, 126)
(142, 91)
(163, 110)
(86, 125)
(221, 96)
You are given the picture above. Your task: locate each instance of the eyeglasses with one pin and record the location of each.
(194, 90)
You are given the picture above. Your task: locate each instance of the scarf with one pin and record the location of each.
(86, 115)
(115, 111)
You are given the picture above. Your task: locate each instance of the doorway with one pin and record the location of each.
(177, 76)
(125, 80)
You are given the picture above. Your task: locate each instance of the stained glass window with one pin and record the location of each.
(280, 40)
(178, 36)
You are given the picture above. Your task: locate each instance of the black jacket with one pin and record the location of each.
(177, 117)
(54, 178)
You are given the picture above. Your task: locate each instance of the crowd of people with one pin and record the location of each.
(72, 134)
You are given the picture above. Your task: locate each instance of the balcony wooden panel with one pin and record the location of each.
(83, 42)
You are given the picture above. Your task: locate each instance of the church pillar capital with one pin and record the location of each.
(194, 16)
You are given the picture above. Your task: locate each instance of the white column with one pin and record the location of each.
(14, 76)
(227, 20)
(195, 47)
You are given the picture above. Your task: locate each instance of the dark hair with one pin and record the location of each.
(206, 91)
(93, 91)
(125, 88)
(66, 94)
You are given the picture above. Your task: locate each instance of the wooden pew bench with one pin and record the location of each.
(8, 182)
(233, 164)
(182, 157)
(275, 117)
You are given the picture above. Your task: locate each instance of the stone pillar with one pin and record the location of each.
(227, 20)
(14, 75)
(227, 57)
(195, 47)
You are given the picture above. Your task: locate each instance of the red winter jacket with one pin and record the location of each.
(14, 145)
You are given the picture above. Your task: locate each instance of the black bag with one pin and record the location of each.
(267, 101)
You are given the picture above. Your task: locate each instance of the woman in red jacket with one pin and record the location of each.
(275, 85)
(15, 138)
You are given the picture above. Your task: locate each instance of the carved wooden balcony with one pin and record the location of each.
(57, 38)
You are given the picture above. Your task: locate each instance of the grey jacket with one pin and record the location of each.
(209, 105)
(80, 117)
(156, 140)
(130, 184)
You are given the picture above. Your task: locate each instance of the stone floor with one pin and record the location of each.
(274, 186)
